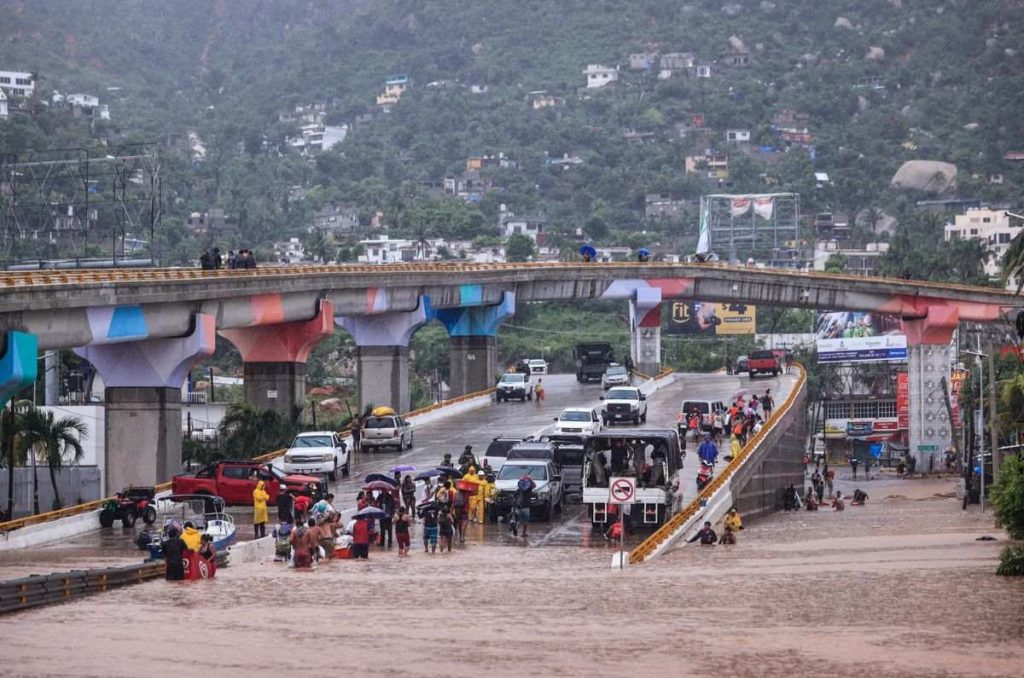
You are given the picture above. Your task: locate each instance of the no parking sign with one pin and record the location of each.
(621, 490)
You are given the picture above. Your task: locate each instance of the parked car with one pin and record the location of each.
(538, 366)
(742, 364)
(615, 375)
(624, 403)
(705, 408)
(547, 495)
(317, 452)
(497, 451)
(234, 480)
(763, 362)
(582, 420)
(514, 385)
(387, 431)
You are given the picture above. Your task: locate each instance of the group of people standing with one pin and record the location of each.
(211, 260)
(180, 545)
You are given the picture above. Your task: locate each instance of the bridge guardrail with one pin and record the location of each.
(673, 524)
(38, 590)
(166, 486)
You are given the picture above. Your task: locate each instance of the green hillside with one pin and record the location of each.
(880, 82)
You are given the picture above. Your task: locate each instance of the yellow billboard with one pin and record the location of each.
(689, 317)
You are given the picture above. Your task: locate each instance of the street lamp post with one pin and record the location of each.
(978, 355)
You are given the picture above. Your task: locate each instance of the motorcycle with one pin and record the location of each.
(705, 475)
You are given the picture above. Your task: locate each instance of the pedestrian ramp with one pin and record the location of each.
(770, 461)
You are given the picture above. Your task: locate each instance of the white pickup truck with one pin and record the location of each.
(624, 403)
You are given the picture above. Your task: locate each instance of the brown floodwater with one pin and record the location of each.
(898, 587)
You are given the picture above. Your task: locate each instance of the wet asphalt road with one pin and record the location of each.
(477, 428)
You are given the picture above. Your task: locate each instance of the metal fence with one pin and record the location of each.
(77, 485)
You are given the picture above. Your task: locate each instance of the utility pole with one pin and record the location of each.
(997, 453)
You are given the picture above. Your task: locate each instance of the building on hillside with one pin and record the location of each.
(290, 251)
(394, 88)
(479, 162)
(642, 61)
(384, 250)
(677, 61)
(704, 69)
(713, 165)
(856, 261)
(739, 58)
(318, 137)
(831, 226)
(800, 136)
(614, 253)
(600, 76)
(214, 222)
(3, 105)
(17, 83)
(662, 207)
(994, 228)
(531, 226)
(307, 114)
(479, 89)
(737, 136)
(542, 99)
(565, 162)
(84, 105)
(787, 117)
(337, 219)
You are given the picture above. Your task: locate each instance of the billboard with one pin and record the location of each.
(903, 399)
(854, 324)
(887, 348)
(861, 429)
(702, 318)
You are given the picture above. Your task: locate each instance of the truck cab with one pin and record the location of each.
(235, 480)
(624, 404)
(592, 359)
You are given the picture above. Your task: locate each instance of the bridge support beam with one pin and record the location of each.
(18, 365)
(645, 330)
(928, 360)
(274, 359)
(142, 422)
(473, 353)
(382, 354)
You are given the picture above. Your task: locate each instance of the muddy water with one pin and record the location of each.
(899, 587)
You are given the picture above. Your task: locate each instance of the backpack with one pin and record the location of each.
(524, 485)
(460, 500)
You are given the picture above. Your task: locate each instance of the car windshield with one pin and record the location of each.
(569, 456)
(575, 416)
(312, 441)
(513, 378)
(537, 362)
(277, 473)
(500, 448)
(621, 394)
(379, 422)
(762, 355)
(514, 471)
(702, 407)
(615, 371)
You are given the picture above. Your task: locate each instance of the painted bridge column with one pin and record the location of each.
(274, 359)
(142, 421)
(382, 354)
(18, 367)
(473, 349)
(928, 360)
(645, 330)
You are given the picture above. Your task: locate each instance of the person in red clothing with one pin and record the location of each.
(361, 539)
(302, 503)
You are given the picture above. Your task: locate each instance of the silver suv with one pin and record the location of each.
(388, 431)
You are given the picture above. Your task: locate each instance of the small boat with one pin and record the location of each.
(206, 512)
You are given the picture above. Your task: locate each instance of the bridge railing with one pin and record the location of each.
(677, 522)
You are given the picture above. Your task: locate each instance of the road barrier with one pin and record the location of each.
(715, 497)
(38, 590)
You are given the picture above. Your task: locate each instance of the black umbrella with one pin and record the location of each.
(380, 476)
(451, 472)
(431, 473)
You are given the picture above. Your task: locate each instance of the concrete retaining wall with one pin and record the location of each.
(77, 485)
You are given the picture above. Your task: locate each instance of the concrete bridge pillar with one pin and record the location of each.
(274, 359)
(645, 330)
(18, 366)
(928, 361)
(382, 354)
(143, 382)
(473, 353)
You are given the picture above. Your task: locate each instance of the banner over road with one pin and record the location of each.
(887, 348)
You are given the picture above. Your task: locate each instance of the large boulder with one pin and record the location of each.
(933, 176)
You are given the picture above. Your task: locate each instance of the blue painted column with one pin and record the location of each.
(142, 402)
(473, 353)
(18, 366)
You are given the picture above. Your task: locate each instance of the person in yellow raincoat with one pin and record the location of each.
(733, 520)
(484, 496)
(192, 537)
(734, 447)
(259, 510)
(476, 499)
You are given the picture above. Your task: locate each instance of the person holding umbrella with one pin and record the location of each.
(409, 493)
(588, 253)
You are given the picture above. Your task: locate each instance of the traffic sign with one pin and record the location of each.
(621, 490)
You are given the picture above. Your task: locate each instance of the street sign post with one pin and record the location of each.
(621, 490)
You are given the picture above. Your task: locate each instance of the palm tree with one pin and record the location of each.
(43, 433)
(249, 431)
(1013, 262)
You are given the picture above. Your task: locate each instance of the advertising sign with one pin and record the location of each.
(887, 348)
(708, 319)
(853, 324)
(903, 400)
(861, 429)
(956, 387)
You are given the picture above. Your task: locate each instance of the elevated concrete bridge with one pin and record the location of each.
(144, 329)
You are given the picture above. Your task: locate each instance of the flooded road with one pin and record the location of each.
(897, 587)
(476, 427)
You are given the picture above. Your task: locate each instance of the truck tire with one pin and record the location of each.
(332, 475)
(106, 518)
(149, 515)
(636, 419)
(129, 518)
(643, 418)
(775, 373)
(344, 470)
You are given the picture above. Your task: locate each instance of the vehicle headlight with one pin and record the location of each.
(635, 406)
(287, 459)
(328, 457)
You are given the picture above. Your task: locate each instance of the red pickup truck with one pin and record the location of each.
(763, 362)
(235, 481)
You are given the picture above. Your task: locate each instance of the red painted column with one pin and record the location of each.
(275, 356)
